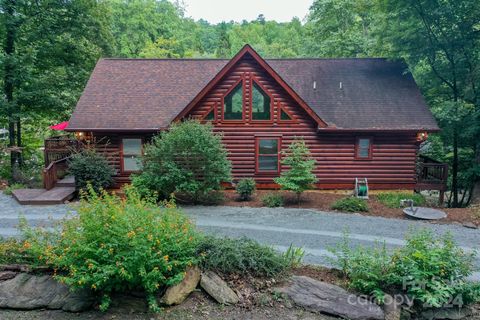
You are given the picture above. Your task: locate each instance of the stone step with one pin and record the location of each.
(57, 195)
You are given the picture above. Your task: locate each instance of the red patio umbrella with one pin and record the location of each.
(61, 126)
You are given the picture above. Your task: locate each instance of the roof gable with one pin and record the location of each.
(248, 50)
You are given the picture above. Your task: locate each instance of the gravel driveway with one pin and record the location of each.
(313, 230)
(316, 231)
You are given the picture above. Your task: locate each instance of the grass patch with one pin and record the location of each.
(272, 200)
(392, 199)
(14, 186)
(246, 256)
(350, 204)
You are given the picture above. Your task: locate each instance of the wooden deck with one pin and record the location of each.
(63, 191)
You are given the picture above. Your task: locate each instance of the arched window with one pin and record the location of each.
(260, 103)
(233, 104)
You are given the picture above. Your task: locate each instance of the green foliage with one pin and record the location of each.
(90, 167)
(294, 256)
(431, 269)
(272, 200)
(245, 188)
(350, 204)
(187, 159)
(299, 177)
(242, 256)
(119, 245)
(14, 186)
(392, 199)
(13, 251)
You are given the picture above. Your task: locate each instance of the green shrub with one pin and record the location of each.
(118, 244)
(299, 177)
(13, 251)
(294, 256)
(188, 159)
(90, 167)
(241, 256)
(14, 186)
(245, 188)
(350, 204)
(431, 270)
(392, 199)
(272, 200)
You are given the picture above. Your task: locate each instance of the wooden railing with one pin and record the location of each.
(432, 176)
(53, 171)
(58, 148)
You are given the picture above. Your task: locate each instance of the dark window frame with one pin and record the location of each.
(357, 147)
(257, 155)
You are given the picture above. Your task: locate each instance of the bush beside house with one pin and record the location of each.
(189, 159)
(299, 177)
(90, 168)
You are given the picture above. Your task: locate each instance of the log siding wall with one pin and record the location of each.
(392, 165)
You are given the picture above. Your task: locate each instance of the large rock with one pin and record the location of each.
(27, 291)
(326, 298)
(217, 288)
(178, 293)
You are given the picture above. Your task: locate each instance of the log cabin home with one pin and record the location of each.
(360, 117)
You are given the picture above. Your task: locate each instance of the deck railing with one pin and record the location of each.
(57, 148)
(57, 152)
(432, 176)
(52, 172)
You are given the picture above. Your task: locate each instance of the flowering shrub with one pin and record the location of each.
(118, 244)
(431, 270)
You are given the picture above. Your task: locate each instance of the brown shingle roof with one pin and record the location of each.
(147, 94)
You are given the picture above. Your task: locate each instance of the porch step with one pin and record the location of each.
(57, 195)
(68, 181)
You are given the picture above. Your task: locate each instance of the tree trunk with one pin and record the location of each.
(475, 194)
(9, 72)
(455, 167)
(19, 143)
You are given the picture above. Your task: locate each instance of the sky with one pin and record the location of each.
(215, 11)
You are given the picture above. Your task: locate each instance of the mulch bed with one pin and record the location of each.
(322, 201)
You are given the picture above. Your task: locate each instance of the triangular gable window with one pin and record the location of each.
(210, 116)
(284, 116)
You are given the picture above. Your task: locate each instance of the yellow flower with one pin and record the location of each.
(150, 237)
(165, 257)
(94, 287)
(27, 245)
(90, 266)
(131, 234)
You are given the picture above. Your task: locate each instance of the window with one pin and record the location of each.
(131, 152)
(260, 103)
(233, 104)
(363, 148)
(284, 116)
(210, 116)
(267, 155)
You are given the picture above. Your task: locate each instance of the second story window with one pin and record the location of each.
(260, 103)
(233, 104)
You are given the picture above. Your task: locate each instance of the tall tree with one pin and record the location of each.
(50, 49)
(440, 39)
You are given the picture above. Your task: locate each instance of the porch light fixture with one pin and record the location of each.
(83, 136)
(422, 136)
